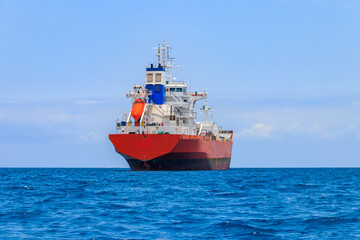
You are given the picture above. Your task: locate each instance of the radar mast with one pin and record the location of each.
(164, 59)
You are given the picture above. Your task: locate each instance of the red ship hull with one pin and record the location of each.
(146, 152)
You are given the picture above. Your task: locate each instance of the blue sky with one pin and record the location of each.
(283, 74)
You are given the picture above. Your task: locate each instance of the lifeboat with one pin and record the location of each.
(137, 109)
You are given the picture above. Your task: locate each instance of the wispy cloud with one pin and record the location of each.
(306, 119)
(61, 120)
(258, 130)
(90, 137)
(47, 111)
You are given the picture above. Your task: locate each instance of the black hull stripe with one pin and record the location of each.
(179, 164)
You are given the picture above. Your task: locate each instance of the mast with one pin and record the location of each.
(164, 59)
(206, 109)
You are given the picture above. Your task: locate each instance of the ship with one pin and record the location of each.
(161, 131)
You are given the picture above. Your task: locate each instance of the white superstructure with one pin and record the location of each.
(165, 106)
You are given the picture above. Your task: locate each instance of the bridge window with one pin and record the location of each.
(179, 89)
(149, 77)
(172, 89)
(158, 77)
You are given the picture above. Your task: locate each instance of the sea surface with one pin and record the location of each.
(235, 204)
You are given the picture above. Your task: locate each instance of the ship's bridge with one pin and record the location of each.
(176, 87)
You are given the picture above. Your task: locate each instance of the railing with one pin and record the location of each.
(196, 94)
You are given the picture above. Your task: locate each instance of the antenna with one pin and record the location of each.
(190, 78)
(164, 59)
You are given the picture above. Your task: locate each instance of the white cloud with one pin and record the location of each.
(42, 116)
(258, 130)
(349, 131)
(320, 130)
(89, 137)
(335, 119)
(59, 117)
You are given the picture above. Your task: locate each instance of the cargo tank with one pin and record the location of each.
(161, 132)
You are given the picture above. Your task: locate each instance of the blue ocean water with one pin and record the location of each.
(234, 204)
